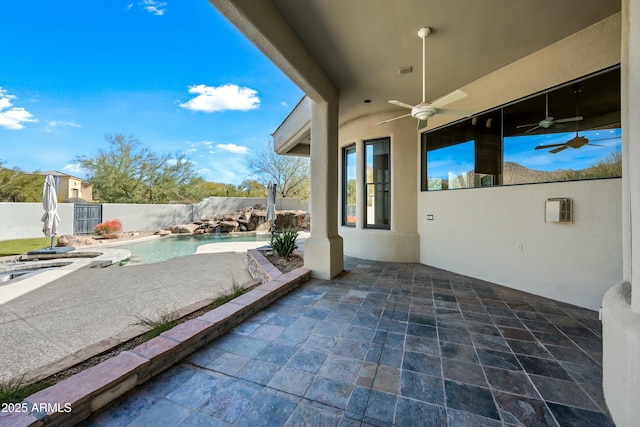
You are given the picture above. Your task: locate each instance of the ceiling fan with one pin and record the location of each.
(424, 110)
(549, 121)
(575, 142)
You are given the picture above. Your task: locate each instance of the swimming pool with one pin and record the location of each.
(177, 246)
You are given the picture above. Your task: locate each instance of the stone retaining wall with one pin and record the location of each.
(77, 397)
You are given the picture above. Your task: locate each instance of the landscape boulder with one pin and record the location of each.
(183, 228)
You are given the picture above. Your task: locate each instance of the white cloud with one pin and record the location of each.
(226, 97)
(233, 148)
(284, 104)
(73, 167)
(51, 125)
(12, 117)
(154, 7)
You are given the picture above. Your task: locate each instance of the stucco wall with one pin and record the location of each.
(401, 242)
(144, 217)
(477, 231)
(499, 234)
(23, 220)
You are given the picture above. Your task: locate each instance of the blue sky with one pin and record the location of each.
(173, 74)
(460, 159)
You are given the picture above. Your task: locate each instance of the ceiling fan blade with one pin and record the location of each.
(395, 118)
(526, 126)
(569, 119)
(421, 124)
(542, 147)
(401, 104)
(595, 145)
(532, 129)
(559, 149)
(454, 96)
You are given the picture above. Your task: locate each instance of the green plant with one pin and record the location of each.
(284, 243)
(14, 391)
(236, 291)
(166, 321)
(163, 323)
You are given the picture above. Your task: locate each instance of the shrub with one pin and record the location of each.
(284, 243)
(108, 227)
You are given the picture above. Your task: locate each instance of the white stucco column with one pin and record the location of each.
(631, 147)
(323, 252)
(621, 304)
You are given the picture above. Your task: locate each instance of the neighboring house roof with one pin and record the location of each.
(56, 173)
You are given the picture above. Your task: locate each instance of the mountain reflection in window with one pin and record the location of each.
(571, 132)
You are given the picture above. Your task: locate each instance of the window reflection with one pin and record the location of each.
(451, 167)
(570, 132)
(378, 183)
(349, 186)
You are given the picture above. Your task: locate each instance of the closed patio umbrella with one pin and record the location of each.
(271, 208)
(50, 218)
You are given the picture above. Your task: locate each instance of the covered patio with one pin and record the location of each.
(387, 344)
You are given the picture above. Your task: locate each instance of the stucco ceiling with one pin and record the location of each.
(361, 43)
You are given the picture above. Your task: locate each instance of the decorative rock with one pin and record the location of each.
(163, 232)
(228, 226)
(76, 241)
(183, 228)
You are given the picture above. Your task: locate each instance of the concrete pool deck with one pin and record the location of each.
(61, 317)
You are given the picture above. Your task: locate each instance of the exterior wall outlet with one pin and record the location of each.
(429, 217)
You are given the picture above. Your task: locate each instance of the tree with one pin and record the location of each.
(289, 173)
(18, 186)
(252, 188)
(127, 172)
(610, 166)
(248, 188)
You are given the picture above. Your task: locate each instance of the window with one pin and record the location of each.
(377, 183)
(451, 167)
(349, 185)
(571, 132)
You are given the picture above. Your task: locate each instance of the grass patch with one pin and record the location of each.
(22, 246)
(236, 291)
(166, 321)
(163, 323)
(15, 391)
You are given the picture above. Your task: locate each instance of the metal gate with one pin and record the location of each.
(86, 217)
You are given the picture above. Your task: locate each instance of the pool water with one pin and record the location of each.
(165, 248)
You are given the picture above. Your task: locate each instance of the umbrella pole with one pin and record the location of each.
(52, 237)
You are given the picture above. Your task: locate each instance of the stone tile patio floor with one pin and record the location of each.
(387, 344)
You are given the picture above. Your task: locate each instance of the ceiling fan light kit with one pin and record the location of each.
(424, 110)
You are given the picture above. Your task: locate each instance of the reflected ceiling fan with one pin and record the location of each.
(424, 110)
(577, 141)
(549, 121)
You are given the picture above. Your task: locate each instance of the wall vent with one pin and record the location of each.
(405, 70)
